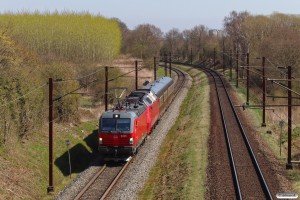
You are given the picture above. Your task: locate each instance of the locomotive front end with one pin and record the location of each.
(116, 133)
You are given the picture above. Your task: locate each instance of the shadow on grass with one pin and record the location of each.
(92, 141)
(81, 157)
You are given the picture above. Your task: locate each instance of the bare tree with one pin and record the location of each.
(198, 36)
(145, 41)
(173, 40)
(233, 28)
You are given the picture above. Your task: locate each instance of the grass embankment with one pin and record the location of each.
(24, 167)
(273, 140)
(180, 172)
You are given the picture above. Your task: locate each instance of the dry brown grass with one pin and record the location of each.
(15, 177)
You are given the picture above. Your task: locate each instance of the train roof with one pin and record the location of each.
(140, 93)
(132, 109)
(159, 86)
(134, 105)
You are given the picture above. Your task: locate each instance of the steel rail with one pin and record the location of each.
(228, 143)
(250, 150)
(88, 185)
(180, 84)
(261, 178)
(113, 183)
(247, 143)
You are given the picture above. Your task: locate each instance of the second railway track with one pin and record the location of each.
(249, 182)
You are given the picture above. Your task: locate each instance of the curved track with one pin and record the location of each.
(249, 182)
(100, 186)
(179, 82)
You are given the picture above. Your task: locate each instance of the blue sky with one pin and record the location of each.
(165, 14)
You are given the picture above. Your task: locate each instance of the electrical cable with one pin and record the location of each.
(92, 82)
(23, 96)
(82, 77)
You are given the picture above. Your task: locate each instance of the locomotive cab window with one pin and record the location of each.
(123, 125)
(115, 125)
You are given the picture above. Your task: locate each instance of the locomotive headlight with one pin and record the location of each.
(100, 141)
(131, 141)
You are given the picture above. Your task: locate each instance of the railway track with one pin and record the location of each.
(101, 184)
(249, 182)
(179, 82)
(103, 181)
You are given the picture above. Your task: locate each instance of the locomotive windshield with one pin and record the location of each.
(115, 125)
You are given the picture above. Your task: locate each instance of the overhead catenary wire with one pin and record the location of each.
(278, 84)
(257, 98)
(276, 68)
(284, 74)
(92, 82)
(45, 108)
(23, 96)
(43, 85)
(255, 58)
(79, 78)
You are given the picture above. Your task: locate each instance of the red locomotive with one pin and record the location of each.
(125, 127)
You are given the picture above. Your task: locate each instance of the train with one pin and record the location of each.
(126, 126)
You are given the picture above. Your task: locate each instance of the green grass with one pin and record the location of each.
(160, 72)
(82, 148)
(86, 102)
(32, 157)
(180, 172)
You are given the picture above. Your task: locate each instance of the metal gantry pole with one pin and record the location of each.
(264, 92)
(231, 62)
(214, 58)
(223, 56)
(289, 160)
(50, 187)
(248, 80)
(106, 88)
(166, 71)
(191, 56)
(237, 68)
(154, 68)
(136, 75)
(170, 63)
